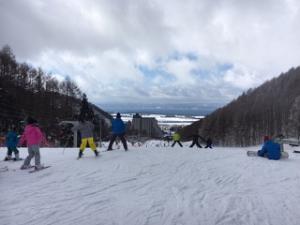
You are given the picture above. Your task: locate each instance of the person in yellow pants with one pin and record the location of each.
(86, 130)
(91, 142)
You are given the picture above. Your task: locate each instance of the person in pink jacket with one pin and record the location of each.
(33, 137)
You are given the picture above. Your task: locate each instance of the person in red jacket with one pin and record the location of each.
(33, 137)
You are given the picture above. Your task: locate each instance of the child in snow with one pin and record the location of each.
(33, 137)
(118, 130)
(11, 144)
(176, 139)
(86, 130)
(270, 149)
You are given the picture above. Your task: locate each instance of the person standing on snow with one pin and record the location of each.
(208, 143)
(195, 141)
(33, 137)
(270, 149)
(118, 130)
(11, 144)
(86, 130)
(176, 139)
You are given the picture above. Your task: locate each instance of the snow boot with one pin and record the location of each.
(7, 158)
(96, 153)
(25, 167)
(17, 157)
(80, 154)
(39, 167)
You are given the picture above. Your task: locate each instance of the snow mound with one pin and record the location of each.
(152, 185)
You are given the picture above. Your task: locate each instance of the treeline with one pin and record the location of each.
(271, 109)
(28, 91)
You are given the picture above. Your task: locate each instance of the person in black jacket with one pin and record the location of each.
(195, 141)
(208, 143)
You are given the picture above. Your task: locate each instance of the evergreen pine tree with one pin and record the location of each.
(86, 112)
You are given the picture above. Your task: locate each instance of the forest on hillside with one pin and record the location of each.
(270, 109)
(28, 91)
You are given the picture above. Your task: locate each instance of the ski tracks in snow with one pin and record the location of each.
(153, 186)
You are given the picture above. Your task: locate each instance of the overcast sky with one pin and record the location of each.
(191, 51)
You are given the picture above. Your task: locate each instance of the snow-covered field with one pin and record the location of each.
(152, 185)
(164, 120)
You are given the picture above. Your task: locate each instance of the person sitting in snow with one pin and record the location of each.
(11, 144)
(86, 131)
(270, 149)
(33, 137)
(176, 139)
(118, 130)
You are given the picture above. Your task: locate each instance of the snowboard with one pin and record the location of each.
(37, 170)
(252, 153)
(284, 155)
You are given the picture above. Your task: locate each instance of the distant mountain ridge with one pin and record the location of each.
(270, 109)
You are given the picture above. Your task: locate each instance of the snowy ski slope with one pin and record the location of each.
(152, 185)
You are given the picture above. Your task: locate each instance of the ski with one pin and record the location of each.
(19, 159)
(37, 170)
(13, 159)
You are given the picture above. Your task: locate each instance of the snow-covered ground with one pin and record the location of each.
(152, 185)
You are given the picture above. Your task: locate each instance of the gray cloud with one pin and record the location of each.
(102, 44)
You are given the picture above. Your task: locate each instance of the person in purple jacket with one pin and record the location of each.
(118, 130)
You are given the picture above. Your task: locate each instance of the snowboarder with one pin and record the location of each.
(195, 141)
(86, 130)
(33, 137)
(118, 130)
(176, 139)
(11, 144)
(270, 149)
(208, 143)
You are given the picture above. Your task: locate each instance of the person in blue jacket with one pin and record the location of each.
(118, 130)
(270, 149)
(11, 144)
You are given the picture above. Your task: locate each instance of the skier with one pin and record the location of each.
(33, 137)
(195, 141)
(270, 149)
(86, 130)
(176, 139)
(118, 130)
(11, 143)
(208, 143)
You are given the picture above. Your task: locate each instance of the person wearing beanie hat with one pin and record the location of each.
(30, 120)
(11, 144)
(270, 149)
(33, 137)
(118, 130)
(266, 138)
